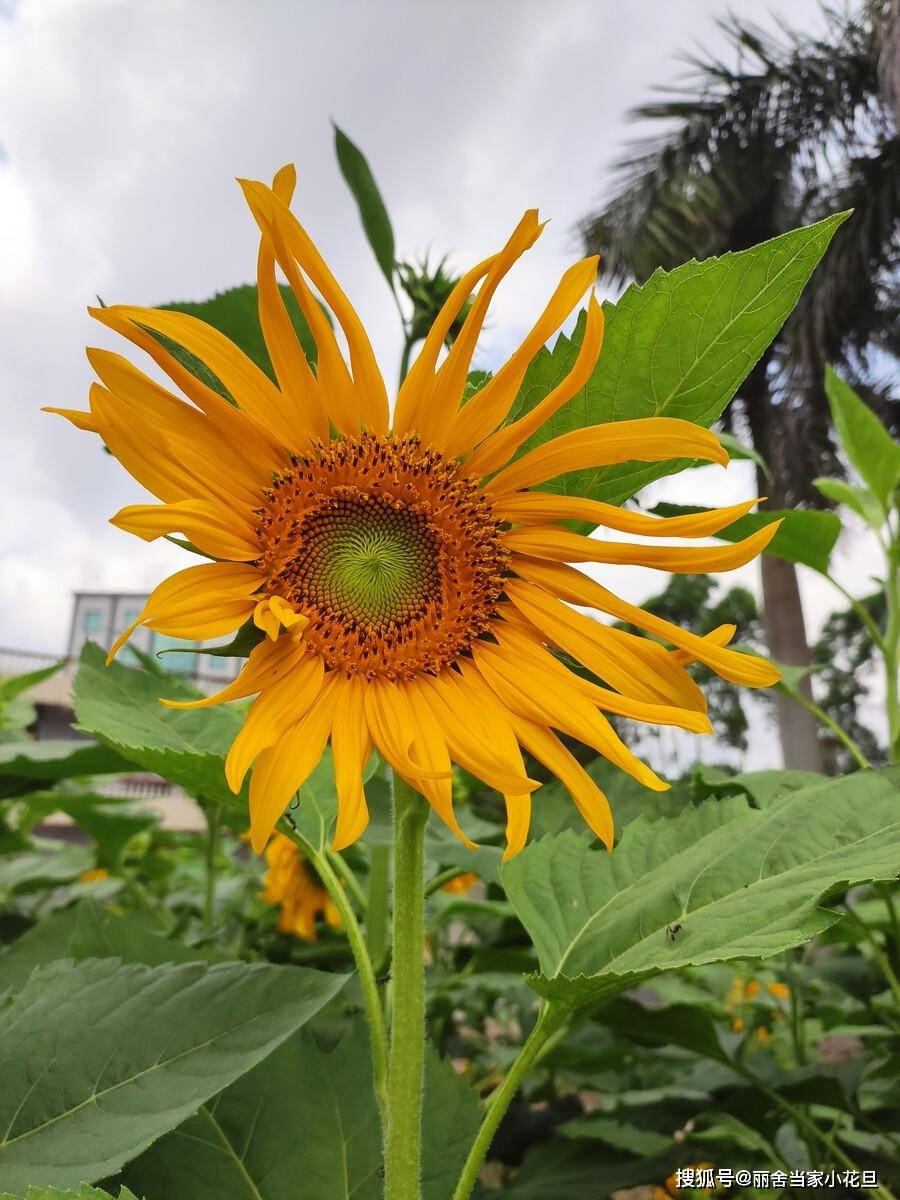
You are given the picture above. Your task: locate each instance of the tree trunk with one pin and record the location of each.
(782, 607)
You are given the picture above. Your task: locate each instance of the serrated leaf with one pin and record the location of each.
(865, 441)
(372, 210)
(740, 882)
(120, 706)
(806, 535)
(236, 1146)
(679, 346)
(100, 1058)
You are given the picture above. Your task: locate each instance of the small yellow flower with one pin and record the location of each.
(780, 991)
(407, 564)
(751, 991)
(763, 1035)
(737, 1025)
(94, 875)
(461, 884)
(290, 884)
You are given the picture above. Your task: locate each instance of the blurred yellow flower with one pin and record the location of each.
(94, 875)
(291, 885)
(780, 991)
(461, 884)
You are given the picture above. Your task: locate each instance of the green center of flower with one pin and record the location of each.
(365, 560)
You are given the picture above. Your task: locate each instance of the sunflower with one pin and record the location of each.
(290, 885)
(412, 584)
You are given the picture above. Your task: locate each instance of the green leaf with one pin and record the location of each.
(109, 821)
(618, 1134)
(679, 346)
(15, 685)
(245, 640)
(372, 211)
(303, 1125)
(863, 502)
(100, 1058)
(43, 943)
(740, 882)
(236, 314)
(120, 706)
(29, 766)
(865, 441)
(48, 863)
(806, 535)
(86, 1193)
(98, 933)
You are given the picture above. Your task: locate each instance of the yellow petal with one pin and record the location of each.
(215, 530)
(393, 731)
(210, 596)
(81, 420)
(491, 404)
(273, 215)
(547, 700)
(258, 444)
(518, 820)
(745, 669)
(499, 448)
(445, 391)
(483, 743)
(272, 613)
(266, 664)
(351, 747)
(648, 439)
(430, 747)
(250, 387)
(590, 801)
(272, 714)
(285, 766)
(556, 544)
(538, 508)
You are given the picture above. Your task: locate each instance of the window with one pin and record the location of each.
(91, 621)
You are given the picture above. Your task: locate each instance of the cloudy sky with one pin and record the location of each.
(124, 122)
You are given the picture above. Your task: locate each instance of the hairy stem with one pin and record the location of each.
(403, 1146)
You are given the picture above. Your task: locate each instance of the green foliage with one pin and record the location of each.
(101, 1057)
(85, 1193)
(868, 445)
(372, 211)
(120, 705)
(677, 347)
(303, 1125)
(741, 882)
(32, 766)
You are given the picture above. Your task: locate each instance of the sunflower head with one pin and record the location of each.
(412, 585)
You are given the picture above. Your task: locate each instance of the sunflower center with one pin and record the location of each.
(391, 553)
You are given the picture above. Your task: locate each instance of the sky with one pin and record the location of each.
(123, 124)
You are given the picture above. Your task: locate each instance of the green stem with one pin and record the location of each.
(371, 1002)
(839, 733)
(549, 1022)
(377, 902)
(403, 1147)
(213, 814)
(861, 611)
(797, 1037)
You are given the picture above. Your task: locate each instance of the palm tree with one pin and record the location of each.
(799, 128)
